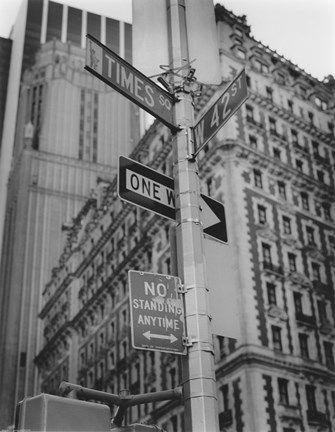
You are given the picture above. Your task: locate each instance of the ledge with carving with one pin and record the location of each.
(275, 311)
(289, 413)
(299, 279)
(291, 241)
(327, 328)
(305, 320)
(269, 267)
(264, 231)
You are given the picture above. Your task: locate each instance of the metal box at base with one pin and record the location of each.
(53, 413)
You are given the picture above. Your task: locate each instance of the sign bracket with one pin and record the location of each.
(181, 289)
(187, 342)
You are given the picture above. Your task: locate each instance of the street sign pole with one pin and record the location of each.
(199, 385)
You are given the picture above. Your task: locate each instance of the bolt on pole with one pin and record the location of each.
(199, 384)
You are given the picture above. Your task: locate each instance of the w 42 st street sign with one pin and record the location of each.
(220, 112)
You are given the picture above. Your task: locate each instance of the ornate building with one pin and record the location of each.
(272, 166)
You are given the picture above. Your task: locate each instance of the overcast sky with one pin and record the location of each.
(303, 31)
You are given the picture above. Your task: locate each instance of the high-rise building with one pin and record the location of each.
(62, 133)
(272, 166)
(5, 50)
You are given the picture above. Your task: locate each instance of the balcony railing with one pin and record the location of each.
(300, 147)
(272, 267)
(317, 417)
(225, 419)
(305, 319)
(276, 134)
(321, 287)
(254, 122)
(289, 412)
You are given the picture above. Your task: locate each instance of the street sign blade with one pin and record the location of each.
(143, 186)
(130, 82)
(229, 101)
(156, 312)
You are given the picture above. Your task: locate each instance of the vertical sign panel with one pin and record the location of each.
(157, 312)
(220, 112)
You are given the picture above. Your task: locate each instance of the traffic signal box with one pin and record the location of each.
(53, 413)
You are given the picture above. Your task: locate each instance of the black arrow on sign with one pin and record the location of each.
(217, 230)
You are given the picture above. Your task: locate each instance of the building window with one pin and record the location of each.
(329, 354)
(261, 67)
(333, 401)
(321, 103)
(269, 93)
(311, 117)
(250, 113)
(261, 214)
(303, 342)
(331, 241)
(209, 184)
(283, 391)
(287, 225)
(282, 190)
(247, 77)
(276, 153)
(320, 176)
(273, 125)
(280, 77)
(241, 53)
(310, 235)
(225, 396)
(111, 360)
(294, 135)
(299, 165)
(326, 211)
(266, 249)
(258, 178)
(276, 338)
(297, 298)
(292, 262)
(310, 397)
(304, 201)
(316, 275)
(271, 291)
(315, 146)
(322, 311)
(303, 92)
(253, 141)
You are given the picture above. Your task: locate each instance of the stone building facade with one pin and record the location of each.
(272, 166)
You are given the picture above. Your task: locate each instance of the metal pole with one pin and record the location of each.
(199, 384)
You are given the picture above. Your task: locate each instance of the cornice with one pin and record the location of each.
(253, 356)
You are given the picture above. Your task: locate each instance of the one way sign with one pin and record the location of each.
(147, 188)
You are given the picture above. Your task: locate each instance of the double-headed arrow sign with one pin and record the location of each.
(154, 191)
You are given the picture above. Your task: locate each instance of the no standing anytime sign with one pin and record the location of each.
(157, 312)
